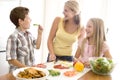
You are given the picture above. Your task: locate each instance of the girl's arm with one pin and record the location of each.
(106, 51)
(78, 53)
(82, 33)
(107, 54)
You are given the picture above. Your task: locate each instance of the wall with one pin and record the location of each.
(6, 27)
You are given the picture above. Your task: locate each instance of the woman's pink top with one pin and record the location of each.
(88, 49)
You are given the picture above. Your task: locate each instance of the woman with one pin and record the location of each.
(64, 32)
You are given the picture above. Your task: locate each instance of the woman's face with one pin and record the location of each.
(25, 24)
(68, 13)
(89, 29)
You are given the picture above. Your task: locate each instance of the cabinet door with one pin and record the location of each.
(4, 66)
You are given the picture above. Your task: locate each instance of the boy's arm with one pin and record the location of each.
(16, 63)
(38, 41)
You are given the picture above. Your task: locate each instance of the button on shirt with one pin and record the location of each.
(20, 46)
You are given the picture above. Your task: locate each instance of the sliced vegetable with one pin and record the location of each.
(70, 73)
(59, 66)
(54, 72)
(41, 65)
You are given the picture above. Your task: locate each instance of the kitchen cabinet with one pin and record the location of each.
(4, 66)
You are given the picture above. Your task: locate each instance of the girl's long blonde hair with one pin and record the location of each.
(98, 36)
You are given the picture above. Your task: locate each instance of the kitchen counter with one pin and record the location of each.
(87, 76)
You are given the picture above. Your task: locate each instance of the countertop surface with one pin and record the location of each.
(88, 75)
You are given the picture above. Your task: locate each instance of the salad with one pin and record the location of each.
(101, 65)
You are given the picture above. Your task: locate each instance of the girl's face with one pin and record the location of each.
(68, 13)
(25, 24)
(89, 29)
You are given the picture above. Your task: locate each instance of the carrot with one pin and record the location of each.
(70, 73)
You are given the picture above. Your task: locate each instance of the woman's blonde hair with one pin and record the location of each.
(98, 36)
(73, 5)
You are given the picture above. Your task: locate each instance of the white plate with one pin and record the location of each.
(15, 73)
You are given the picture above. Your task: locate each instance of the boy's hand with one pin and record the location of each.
(40, 29)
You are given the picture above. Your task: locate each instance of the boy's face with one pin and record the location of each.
(25, 24)
(89, 29)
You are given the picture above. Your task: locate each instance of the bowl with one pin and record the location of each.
(24, 73)
(101, 65)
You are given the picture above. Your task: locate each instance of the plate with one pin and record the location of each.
(15, 73)
(65, 63)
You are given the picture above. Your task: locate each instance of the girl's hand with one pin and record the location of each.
(52, 57)
(75, 59)
(87, 64)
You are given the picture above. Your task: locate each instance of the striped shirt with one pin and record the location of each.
(20, 46)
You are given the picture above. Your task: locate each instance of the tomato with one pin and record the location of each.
(59, 66)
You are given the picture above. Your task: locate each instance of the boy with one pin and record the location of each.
(20, 44)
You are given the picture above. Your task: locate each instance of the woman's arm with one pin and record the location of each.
(52, 35)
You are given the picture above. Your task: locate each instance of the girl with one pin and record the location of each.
(94, 44)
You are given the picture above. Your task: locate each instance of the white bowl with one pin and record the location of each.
(101, 65)
(15, 73)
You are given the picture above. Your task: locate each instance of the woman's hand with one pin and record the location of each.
(52, 57)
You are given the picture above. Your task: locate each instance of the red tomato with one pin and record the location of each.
(59, 66)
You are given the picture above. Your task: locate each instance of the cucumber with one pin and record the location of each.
(54, 72)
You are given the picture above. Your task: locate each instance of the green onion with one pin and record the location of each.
(35, 24)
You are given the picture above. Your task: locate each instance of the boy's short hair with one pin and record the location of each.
(18, 13)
